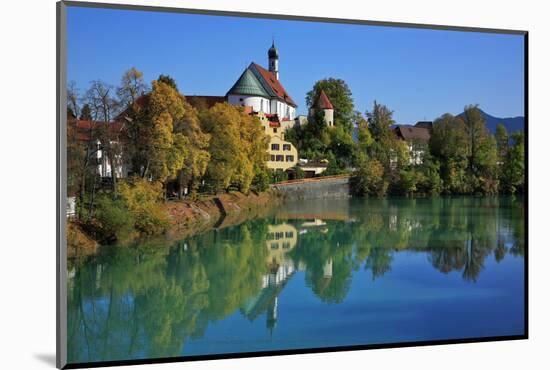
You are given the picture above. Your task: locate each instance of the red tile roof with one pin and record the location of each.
(204, 101)
(84, 128)
(274, 84)
(323, 101)
(408, 133)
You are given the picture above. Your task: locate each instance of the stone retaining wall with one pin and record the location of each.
(315, 188)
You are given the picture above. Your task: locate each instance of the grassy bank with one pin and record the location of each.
(181, 218)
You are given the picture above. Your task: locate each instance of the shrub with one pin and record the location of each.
(114, 219)
(261, 181)
(277, 176)
(299, 173)
(369, 179)
(143, 200)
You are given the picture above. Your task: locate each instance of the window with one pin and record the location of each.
(274, 146)
(272, 158)
(286, 146)
(286, 245)
(289, 234)
(279, 158)
(274, 130)
(290, 158)
(274, 245)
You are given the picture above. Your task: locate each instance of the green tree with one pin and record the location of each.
(502, 141)
(386, 148)
(369, 179)
(513, 171)
(340, 96)
(448, 146)
(168, 80)
(342, 146)
(380, 120)
(86, 113)
(502, 138)
(481, 151)
(364, 135)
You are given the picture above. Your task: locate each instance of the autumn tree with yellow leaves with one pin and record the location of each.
(238, 147)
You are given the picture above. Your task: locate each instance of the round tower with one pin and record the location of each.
(273, 58)
(323, 104)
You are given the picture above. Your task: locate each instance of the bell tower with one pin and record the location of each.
(273, 58)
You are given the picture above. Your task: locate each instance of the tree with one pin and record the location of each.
(167, 148)
(73, 107)
(513, 172)
(369, 179)
(131, 87)
(339, 95)
(380, 120)
(481, 151)
(197, 158)
(387, 149)
(237, 147)
(342, 146)
(448, 146)
(502, 141)
(104, 107)
(502, 138)
(168, 80)
(86, 113)
(364, 135)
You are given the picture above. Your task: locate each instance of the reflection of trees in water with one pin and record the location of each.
(327, 257)
(146, 301)
(457, 233)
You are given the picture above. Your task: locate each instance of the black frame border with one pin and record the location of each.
(61, 69)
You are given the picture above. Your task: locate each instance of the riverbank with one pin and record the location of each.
(186, 218)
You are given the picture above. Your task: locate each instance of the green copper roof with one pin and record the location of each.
(248, 84)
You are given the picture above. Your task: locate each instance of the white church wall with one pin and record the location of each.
(257, 103)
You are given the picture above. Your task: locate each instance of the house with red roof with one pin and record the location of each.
(416, 137)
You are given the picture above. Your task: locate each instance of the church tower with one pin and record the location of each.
(273, 56)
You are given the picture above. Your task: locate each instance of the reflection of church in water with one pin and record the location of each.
(280, 240)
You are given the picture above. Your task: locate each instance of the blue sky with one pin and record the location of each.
(419, 74)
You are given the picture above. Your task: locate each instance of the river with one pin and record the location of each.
(312, 274)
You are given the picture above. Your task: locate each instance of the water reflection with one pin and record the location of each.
(150, 300)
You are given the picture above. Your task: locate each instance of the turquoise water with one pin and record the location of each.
(313, 274)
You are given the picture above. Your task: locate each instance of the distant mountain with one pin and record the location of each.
(512, 124)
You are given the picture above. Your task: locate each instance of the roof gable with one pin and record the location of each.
(271, 84)
(409, 133)
(323, 101)
(248, 84)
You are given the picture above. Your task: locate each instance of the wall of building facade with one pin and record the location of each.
(282, 154)
(257, 103)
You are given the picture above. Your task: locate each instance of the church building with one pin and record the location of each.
(261, 89)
